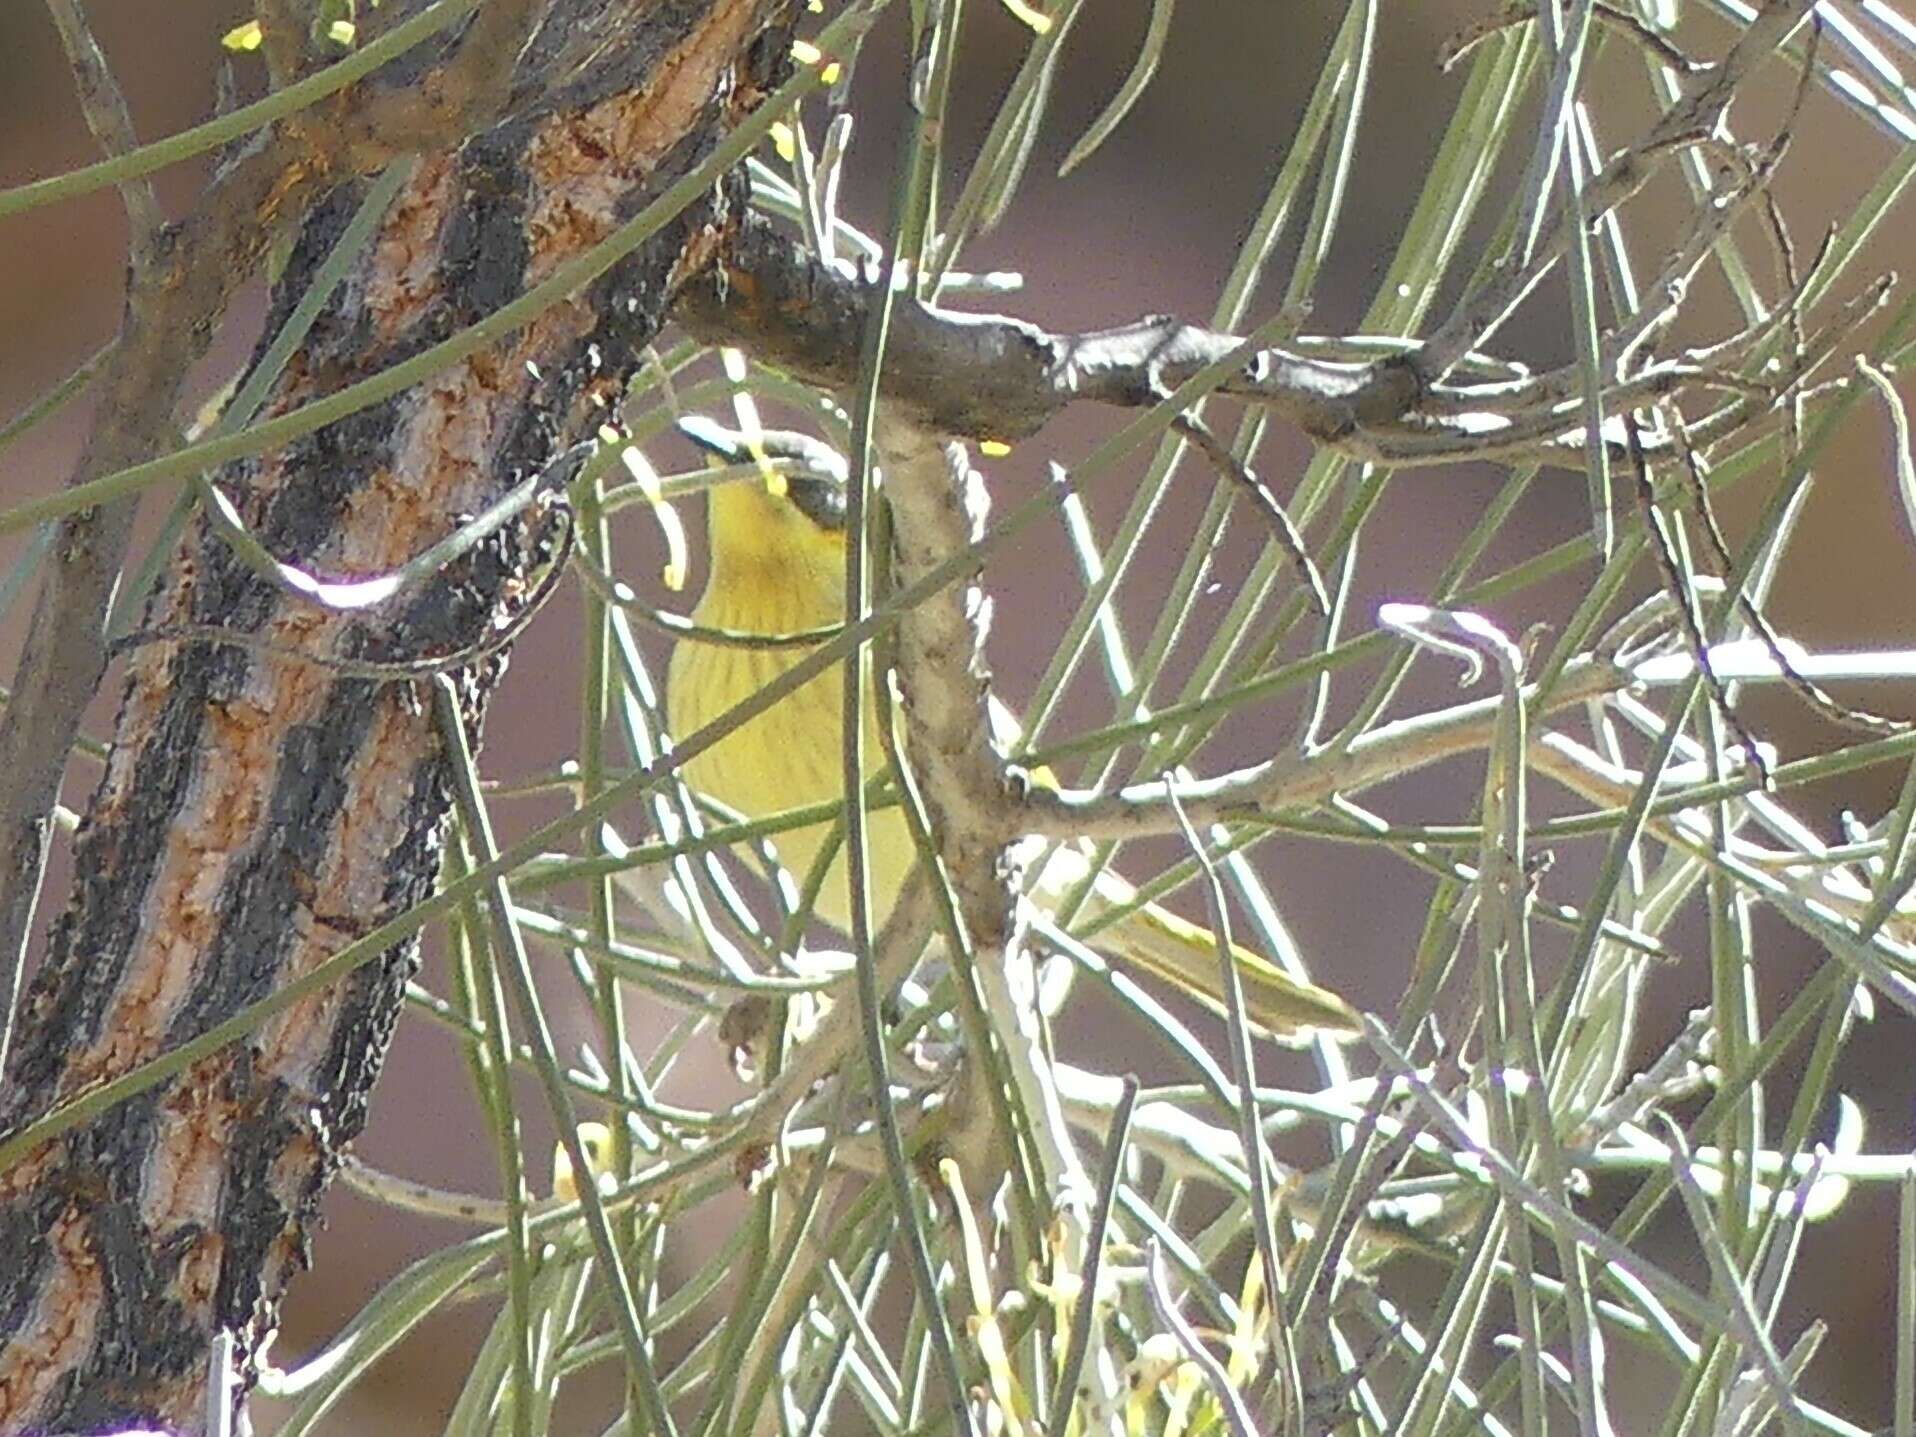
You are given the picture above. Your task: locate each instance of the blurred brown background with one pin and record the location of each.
(1149, 224)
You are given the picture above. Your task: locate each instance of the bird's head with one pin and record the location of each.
(777, 545)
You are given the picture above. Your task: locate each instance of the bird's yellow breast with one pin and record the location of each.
(768, 579)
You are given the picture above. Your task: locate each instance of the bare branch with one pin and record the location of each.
(993, 377)
(1239, 474)
(104, 107)
(1694, 119)
(1623, 21)
(984, 376)
(1292, 780)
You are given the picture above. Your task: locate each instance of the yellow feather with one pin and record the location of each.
(774, 570)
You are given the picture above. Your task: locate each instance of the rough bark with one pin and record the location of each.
(259, 812)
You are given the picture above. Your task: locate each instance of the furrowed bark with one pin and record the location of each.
(260, 812)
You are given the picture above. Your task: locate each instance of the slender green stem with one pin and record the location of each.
(510, 944)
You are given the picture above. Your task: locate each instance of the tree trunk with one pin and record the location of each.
(259, 811)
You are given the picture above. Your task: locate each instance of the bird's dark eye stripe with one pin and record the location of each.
(818, 500)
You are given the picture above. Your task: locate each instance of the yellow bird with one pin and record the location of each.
(777, 565)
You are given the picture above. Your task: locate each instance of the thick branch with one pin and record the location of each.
(168, 324)
(938, 506)
(980, 376)
(994, 377)
(985, 376)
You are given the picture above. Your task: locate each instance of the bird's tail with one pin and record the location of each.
(1185, 955)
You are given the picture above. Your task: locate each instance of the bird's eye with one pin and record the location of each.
(819, 500)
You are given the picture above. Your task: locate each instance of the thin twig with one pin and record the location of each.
(1686, 604)
(1524, 12)
(107, 116)
(1240, 476)
(1799, 683)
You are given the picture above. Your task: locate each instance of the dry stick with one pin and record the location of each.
(1293, 779)
(25, 849)
(1799, 683)
(1790, 312)
(1793, 284)
(284, 29)
(937, 504)
(1792, 411)
(1685, 598)
(408, 1196)
(983, 376)
(1530, 414)
(1676, 1073)
(25, 844)
(1715, 221)
(1265, 502)
(104, 107)
(1464, 41)
(1693, 119)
